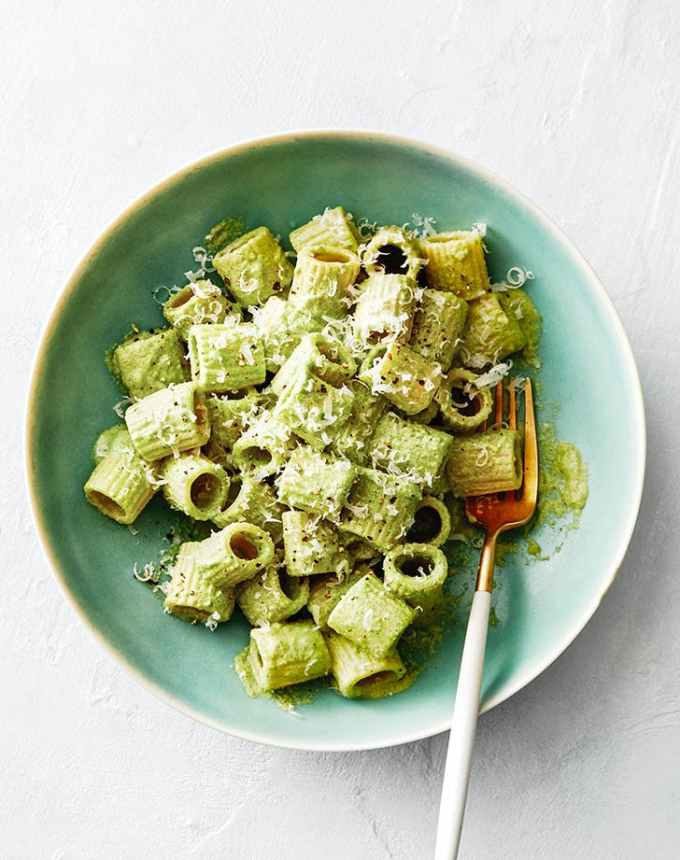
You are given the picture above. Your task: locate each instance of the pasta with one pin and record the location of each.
(462, 405)
(226, 357)
(254, 267)
(323, 420)
(272, 596)
(149, 361)
(455, 262)
(200, 302)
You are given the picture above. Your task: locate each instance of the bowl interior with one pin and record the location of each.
(588, 370)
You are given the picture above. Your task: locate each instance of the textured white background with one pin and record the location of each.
(577, 103)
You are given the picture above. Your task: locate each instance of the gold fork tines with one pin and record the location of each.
(500, 512)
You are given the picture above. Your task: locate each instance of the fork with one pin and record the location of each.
(496, 513)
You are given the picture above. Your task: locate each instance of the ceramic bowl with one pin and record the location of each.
(281, 181)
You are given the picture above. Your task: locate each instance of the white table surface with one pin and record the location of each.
(577, 104)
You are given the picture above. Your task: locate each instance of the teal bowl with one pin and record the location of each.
(280, 181)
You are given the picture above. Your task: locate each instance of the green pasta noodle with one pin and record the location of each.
(316, 482)
(147, 361)
(313, 409)
(226, 357)
(272, 596)
(385, 308)
(371, 616)
(432, 522)
(222, 234)
(254, 267)
(326, 420)
(229, 418)
(191, 596)
(234, 554)
(413, 451)
(199, 302)
(360, 675)
(120, 486)
(416, 572)
(264, 448)
(358, 549)
(114, 440)
(194, 485)
(168, 422)
(326, 592)
(518, 303)
(456, 263)
(427, 415)
(281, 328)
(353, 439)
(392, 252)
(484, 463)
(463, 406)
(311, 545)
(252, 501)
(438, 324)
(284, 654)
(323, 276)
(405, 378)
(332, 227)
(318, 355)
(490, 333)
(380, 508)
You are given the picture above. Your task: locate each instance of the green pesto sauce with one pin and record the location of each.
(291, 698)
(529, 320)
(146, 361)
(288, 698)
(223, 234)
(563, 480)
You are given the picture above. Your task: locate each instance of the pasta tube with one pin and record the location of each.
(272, 596)
(484, 463)
(416, 572)
(371, 616)
(194, 485)
(456, 263)
(360, 675)
(254, 267)
(462, 405)
(168, 422)
(284, 654)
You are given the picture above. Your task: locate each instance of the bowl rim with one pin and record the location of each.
(636, 417)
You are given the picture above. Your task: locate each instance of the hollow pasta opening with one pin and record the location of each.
(242, 547)
(377, 678)
(392, 260)
(257, 455)
(417, 565)
(426, 525)
(181, 298)
(330, 256)
(204, 490)
(106, 504)
(464, 404)
(289, 586)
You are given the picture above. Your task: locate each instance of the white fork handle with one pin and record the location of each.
(463, 727)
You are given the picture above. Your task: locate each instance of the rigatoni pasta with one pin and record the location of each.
(320, 419)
